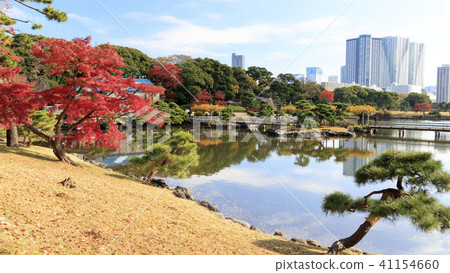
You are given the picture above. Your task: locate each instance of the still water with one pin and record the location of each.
(279, 186)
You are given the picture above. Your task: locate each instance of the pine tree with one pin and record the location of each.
(417, 175)
(170, 158)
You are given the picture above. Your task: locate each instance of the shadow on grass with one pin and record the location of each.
(24, 152)
(288, 248)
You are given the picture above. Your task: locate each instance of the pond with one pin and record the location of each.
(279, 186)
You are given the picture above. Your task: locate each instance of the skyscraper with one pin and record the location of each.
(443, 84)
(383, 61)
(416, 63)
(314, 74)
(237, 61)
(343, 74)
(333, 78)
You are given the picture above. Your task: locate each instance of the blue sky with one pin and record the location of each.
(269, 33)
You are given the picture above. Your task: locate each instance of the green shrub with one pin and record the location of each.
(435, 113)
(251, 113)
(227, 113)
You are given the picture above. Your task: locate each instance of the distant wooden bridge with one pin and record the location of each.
(437, 127)
(252, 123)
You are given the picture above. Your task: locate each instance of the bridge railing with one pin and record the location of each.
(411, 125)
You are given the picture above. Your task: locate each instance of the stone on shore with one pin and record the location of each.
(299, 240)
(220, 215)
(312, 242)
(156, 182)
(183, 193)
(240, 222)
(208, 205)
(278, 233)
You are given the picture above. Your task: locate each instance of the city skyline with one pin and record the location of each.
(282, 38)
(383, 62)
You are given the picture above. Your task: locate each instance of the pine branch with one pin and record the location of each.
(390, 192)
(30, 7)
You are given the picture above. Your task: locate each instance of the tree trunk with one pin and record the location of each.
(337, 247)
(60, 153)
(12, 137)
(356, 237)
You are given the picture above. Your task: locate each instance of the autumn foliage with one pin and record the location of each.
(206, 108)
(166, 76)
(327, 95)
(289, 109)
(421, 107)
(15, 102)
(93, 95)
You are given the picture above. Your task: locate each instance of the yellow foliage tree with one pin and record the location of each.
(289, 109)
(363, 111)
(234, 88)
(206, 108)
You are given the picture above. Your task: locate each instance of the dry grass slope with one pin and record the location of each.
(39, 216)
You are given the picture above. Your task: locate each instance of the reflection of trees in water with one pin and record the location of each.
(222, 154)
(216, 154)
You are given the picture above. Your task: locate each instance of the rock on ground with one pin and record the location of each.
(183, 193)
(242, 223)
(278, 233)
(220, 215)
(156, 182)
(313, 242)
(208, 205)
(299, 240)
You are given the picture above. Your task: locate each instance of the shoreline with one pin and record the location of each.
(186, 194)
(40, 216)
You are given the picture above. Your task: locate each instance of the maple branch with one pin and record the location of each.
(73, 126)
(30, 7)
(61, 117)
(39, 132)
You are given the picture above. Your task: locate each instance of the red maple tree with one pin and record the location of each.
(327, 95)
(15, 102)
(204, 97)
(219, 98)
(421, 107)
(166, 76)
(93, 95)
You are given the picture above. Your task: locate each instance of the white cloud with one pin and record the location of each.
(186, 37)
(90, 23)
(262, 179)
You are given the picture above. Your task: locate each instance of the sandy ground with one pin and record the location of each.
(39, 216)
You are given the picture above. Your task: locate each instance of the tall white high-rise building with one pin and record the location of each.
(351, 61)
(416, 64)
(443, 84)
(237, 61)
(314, 74)
(383, 61)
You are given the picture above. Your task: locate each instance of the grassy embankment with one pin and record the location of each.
(39, 216)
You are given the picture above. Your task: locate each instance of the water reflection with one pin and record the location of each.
(230, 177)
